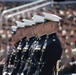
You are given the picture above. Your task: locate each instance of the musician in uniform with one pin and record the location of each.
(53, 49)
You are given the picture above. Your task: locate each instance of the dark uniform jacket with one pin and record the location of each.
(52, 54)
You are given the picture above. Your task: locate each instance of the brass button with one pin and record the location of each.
(54, 39)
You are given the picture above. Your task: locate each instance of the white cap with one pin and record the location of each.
(51, 17)
(28, 22)
(38, 19)
(4, 73)
(14, 28)
(64, 32)
(22, 73)
(20, 24)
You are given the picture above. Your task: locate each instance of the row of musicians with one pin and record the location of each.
(37, 54)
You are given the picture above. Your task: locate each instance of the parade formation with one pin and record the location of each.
(39, 50)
